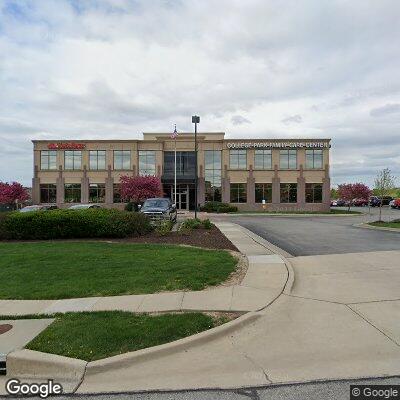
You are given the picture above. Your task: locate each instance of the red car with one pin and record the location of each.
(360, 202)
(396, 203)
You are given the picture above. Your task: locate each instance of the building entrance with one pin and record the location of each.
(184, 195)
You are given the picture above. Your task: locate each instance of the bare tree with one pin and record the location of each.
(384, 183)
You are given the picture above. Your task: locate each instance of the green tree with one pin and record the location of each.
(384, 184)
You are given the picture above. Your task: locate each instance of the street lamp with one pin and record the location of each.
(195, 121)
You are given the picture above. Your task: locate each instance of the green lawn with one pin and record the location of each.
(94, 335)
(386, 224)
(57, 270)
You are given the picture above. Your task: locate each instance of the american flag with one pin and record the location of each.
(174, 134)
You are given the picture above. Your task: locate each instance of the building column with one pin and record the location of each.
(60, 181)
(36, 186)
(276, 187)
(326, 189)
(84, 186)
(226, 186)
(201, 187)
(109, 187)
(301, 189)
(251, 186)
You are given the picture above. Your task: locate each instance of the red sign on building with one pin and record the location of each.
(66, 146)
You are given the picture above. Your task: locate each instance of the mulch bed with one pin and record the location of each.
(209, 238)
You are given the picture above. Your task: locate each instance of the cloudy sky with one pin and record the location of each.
(86, 69)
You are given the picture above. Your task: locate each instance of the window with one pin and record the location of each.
(262, 159)
(238, 159)
(73, 159)
(72, 193)
(238, 193)
(48, 193)
(117, 193)
(185, 164)
(97, 192)
(97, 159)
(48, 159)
(288, 159)
(263, 192)
(313, 192)
(212, 173)
(122, 159)
(147, 162)
(288, 192)
(314, 159)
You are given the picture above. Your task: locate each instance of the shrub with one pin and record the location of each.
(3, 230)
(63, 224)
(164, 227)
(207, 224)
(191, 223)
(218, 207)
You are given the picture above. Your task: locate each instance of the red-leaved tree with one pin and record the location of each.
(351, 191)
(139, 188)
(11, 193)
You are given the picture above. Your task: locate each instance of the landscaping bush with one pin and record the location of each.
(194, 223)
(70, 224)
(191, 223)
(3, 229)
(218, 207)
(207, 224)
(164, 227)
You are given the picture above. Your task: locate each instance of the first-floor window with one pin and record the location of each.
(97, 192)
(238, 193)
(72, 193)
(48, 193)
(263, 192)
(288, 192)
(313, 192)
(117, 193)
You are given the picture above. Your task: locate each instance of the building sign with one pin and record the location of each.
(279, 145)
(66, 146)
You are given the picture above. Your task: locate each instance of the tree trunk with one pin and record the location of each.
(380, 211)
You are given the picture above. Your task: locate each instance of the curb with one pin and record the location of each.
(29, 364)
(290, 215)
(376, 228)
(122, 360)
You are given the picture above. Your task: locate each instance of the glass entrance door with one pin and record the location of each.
(182, 197)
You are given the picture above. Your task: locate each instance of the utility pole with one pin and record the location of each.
(195, 121)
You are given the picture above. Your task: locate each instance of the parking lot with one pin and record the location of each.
(301, 236)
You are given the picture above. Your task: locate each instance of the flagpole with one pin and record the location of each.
(175, 169)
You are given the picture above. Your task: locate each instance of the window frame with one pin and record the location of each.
(97, 160)
(99, 187)
(48, 189)
(213, 176)
(238, 155)
(50, 154)
(145, 154)
(124, 156)
(263, 153)
(75, 188)
(76, 159)
(266, 187)
(311, 187)
(313, 152)
(117, 190)
(287, 165)
(290, 188)
(237, 198)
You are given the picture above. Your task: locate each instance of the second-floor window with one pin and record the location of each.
(314, 159)
(122, 159)
(147, 162)
(73, 159)
(262, 159)
(238, 159)
(48, 159)
(288, 159)
(97, 159)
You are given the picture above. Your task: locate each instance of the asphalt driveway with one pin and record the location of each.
(302, 236)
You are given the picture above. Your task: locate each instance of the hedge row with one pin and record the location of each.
(71, 224)
(218, 207)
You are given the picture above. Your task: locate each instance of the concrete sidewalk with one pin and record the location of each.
(264, 281)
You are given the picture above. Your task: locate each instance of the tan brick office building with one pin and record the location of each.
(278, 174)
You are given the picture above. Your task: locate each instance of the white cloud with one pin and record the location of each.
(115, 68)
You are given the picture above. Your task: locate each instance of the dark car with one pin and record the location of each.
(159, 208)
(360, 202)
(340, 203)
(39, 207)
(375, 201)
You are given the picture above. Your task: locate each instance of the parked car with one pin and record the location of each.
(83, 206)
(375, 201)
(340, 203)
(395, 203)
(360, 202)
(333, 203)
(159, 208)
(39, 207)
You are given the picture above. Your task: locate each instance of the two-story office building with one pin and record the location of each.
(276, 174)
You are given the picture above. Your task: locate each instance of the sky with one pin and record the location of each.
(112, 69)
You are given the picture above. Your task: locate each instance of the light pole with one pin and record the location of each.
(195, 121)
